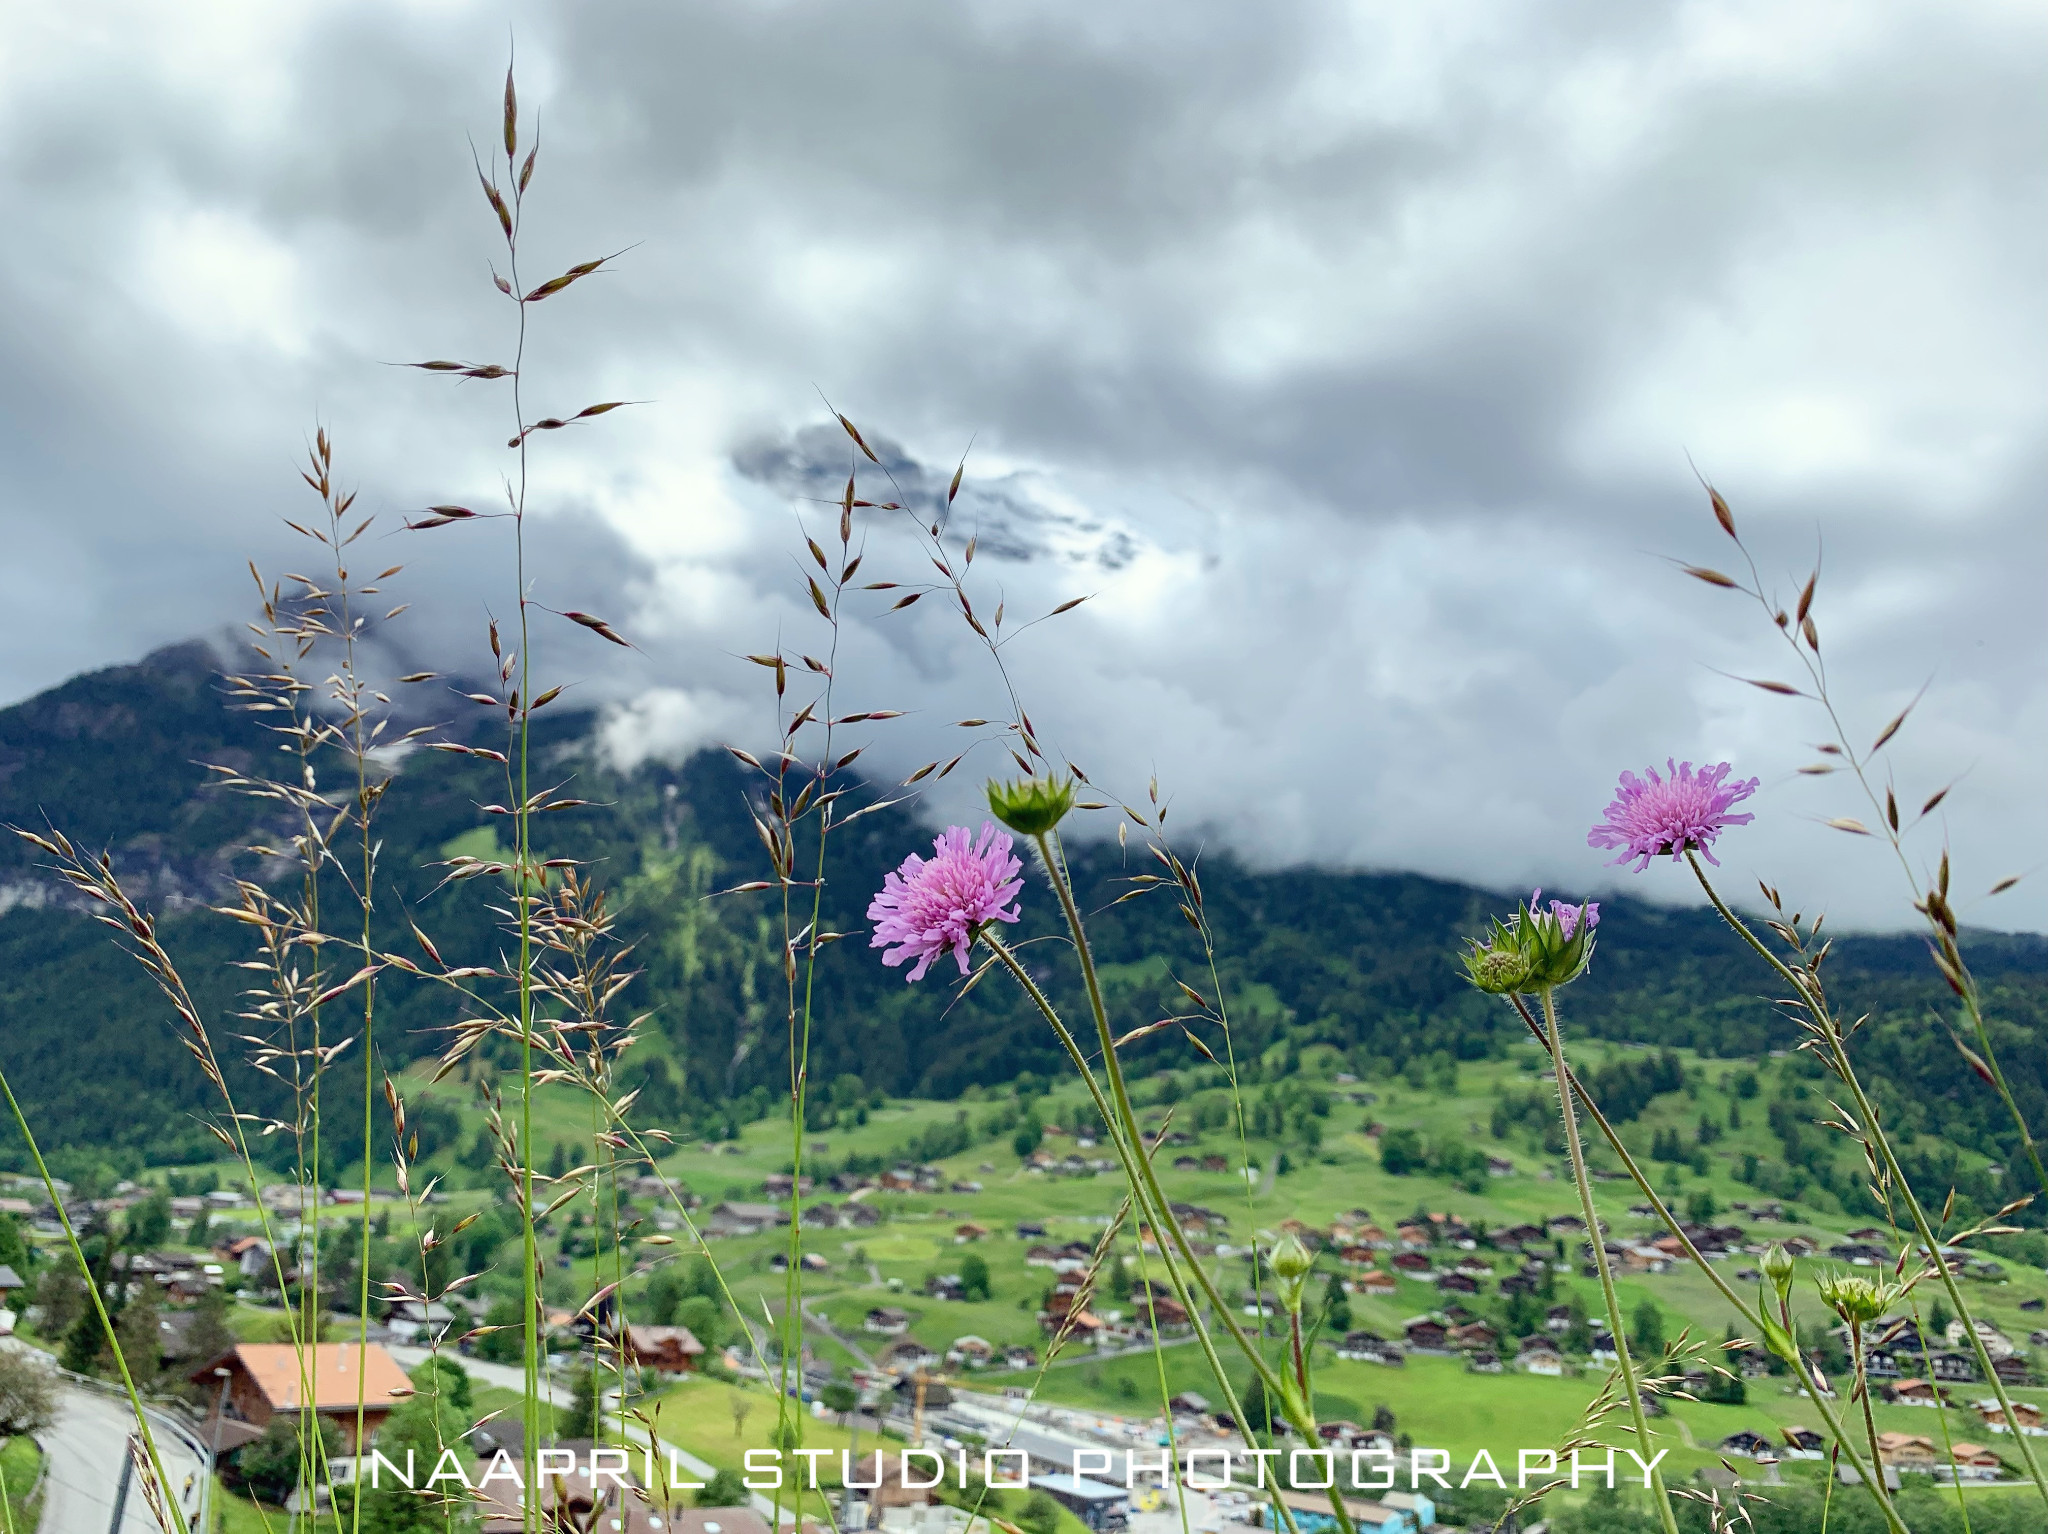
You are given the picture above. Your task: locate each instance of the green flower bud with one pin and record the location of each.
(1291, 1263)
(1777, 1266)
(1290, 1259)
(1497, 971)
(1032, 806)
(1856, 1299)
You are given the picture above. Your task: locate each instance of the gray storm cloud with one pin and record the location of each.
(1348, 358)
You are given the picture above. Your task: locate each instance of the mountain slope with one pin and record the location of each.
(1363, 963)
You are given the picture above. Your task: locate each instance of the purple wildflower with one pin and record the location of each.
(1566, 915)
(1681, 813)
(927, 907)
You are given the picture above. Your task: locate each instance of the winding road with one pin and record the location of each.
(86, 1446)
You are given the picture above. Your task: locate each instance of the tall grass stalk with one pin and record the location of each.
(1617, 1323)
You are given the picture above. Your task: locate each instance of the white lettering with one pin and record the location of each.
(846, 1471)
(379, 1464)
(1438, 1461)
(1261, 1455)
(501, 1461)
(1607, 1469)
(771, 1470)
(1083, 1471)
(1194, 1480)
(938, 1468)
(1301, 1482)
(1526, 1461)
(813, 1455)
(1383, 1464)
(556, 1462)
(1490, 1473)
(675, 1463)
(449, 1468)
(1649, 1465)
(991, 1471)
(608, 1463)
(1164, 1469)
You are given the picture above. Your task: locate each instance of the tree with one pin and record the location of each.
(1608, 1511)
(705, 1318)
(1938, 1318)
(60, 1299)
(28, 1393)
(1119, 1281)
(1401, 1152)
(724, 1489)
(1030, 1134)
(15, 1252)
(507, 1343)
(1383, 1419)
(840, 1399)
(269, 1467)
(1646, 1328)
(663, 1293)
(579, 1418)
(1578, 1333)
(1336, 1307)
(149, 1222)
(81, 1351)
(1041, 1514)
(140, 1333)
(974, 1277)
(741, 1408)
(423, 1427)
(1701, 1207)
(442, 1378)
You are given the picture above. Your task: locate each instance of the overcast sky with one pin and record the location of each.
(1349, 357)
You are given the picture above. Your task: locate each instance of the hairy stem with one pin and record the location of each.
(1614, 1317)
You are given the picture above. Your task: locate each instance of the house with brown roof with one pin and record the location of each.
(671, 1349)
(265, 1378)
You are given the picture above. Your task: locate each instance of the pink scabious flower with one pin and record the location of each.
(1683, 812)
(1566, 915)
(930, 905)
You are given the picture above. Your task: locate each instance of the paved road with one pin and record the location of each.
(86, 1446)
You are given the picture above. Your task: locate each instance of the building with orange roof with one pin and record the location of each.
(333, 1378)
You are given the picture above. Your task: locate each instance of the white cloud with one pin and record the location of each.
(1350, 357)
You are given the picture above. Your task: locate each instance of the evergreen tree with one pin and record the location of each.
(82, 1343)
(1646, 1329)
(974, 1277)
(140, 1332)
(1336, 1307)
(579, 1418)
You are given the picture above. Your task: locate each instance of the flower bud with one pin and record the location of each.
(1497, 971)
(1290, 1259)
(1777, 1266)
(1032, 806)
(1856, 1299)
(1291, 1263)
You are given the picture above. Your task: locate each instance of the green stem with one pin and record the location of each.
(1299, 1411)
(1879, 1145)
(1661, 1497)
(1751, 1318)
(1132, 1157)
(99, 1305)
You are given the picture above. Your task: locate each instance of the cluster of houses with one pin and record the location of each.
(1456, 1332)
(1911, 1363)
(1899, 1453)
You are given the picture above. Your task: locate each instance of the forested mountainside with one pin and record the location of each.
(1364, 962)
